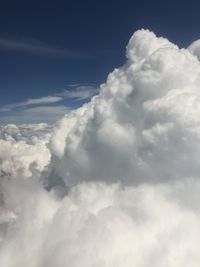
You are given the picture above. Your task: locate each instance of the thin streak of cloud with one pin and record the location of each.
(34, 101)
(36, 47)
(41, 109)
(45, 99)
(80, 92)
(48, 110)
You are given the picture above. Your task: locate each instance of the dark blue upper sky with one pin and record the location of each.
(47, 45)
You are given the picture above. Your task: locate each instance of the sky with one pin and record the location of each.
(49, 47)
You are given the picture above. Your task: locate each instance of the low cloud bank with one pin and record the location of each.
(116, 182)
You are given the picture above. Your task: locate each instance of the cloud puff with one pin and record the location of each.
(23, 148)
(127, 164)
(31, 102)
(25, 132)
(101, 225)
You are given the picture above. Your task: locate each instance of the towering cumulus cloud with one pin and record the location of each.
(117, 181)
(144, 125)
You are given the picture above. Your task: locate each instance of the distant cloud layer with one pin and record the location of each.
(115, 182)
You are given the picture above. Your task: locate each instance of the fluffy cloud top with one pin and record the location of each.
(129, 164)
(143, 126)
(80, 92)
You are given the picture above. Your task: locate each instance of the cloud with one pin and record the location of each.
(116, 181)
(25, 132)
(100, 225)
(38, 114)
(42, 100)
(80, 92)
(36, 47)
(30, 102)
(23, 146)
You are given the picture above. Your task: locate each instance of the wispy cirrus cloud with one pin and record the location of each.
(49, 110)
(33, 46)
(33, 101)
(76, 92)
(79, 92)
(46, 108)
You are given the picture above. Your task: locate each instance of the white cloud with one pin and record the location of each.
(30, 102)
(25, 132)
(80, 92)
(43, 100)
(137, 120)
(101, 225)
(122, 171)
(23, 146)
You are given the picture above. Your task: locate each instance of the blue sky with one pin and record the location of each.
(48, 48)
